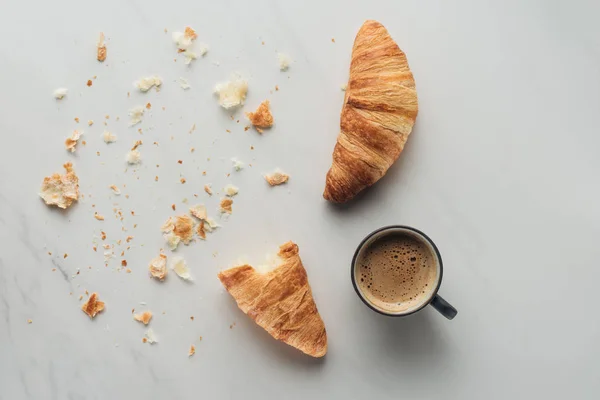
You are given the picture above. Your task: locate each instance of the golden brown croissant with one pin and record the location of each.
(379, 112)
(280, 301)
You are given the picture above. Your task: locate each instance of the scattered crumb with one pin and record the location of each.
(60, 93)
(71, 142)
(277, 88)
(144, 317)
(89, 82)
(173, 206)
(201, 231)
(208, 190)
(237, 164)
(180, 228)
(183, 83)
(226, 205)
(262, 117)
(184, 41)
(192, 351)
(136, 114)
(210, 225)
(136, 144)
(332, 40)
(98, 217)
(231, 190)
(182, 180)
(158, 267)
(123, 262)
(149, 337)
(90, 122)
(133, 157)
(61, 190)
(109, 137)
(76, 119)
(179, 266)
(115, 189)
(198, 211)
(147, 83)
(232, 93)
(30, 321)
(148, 106)
(92, 306)
(172, 240)
(276, 178)
(101, 48)
(284, 61)
(129, 239)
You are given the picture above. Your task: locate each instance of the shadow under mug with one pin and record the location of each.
(436, 301)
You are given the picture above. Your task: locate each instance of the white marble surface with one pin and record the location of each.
(501, 171)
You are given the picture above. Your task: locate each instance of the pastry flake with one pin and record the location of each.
(60, 93)
(280, 301)
(136, 114)
(71, 141)
(181, 227)
(231, 190)
(262, 117)
(225, 205)
(144, 317)
(179, 266)
(109, 137)
(198, 211)
(158, 267)
(276, 178)
(147, 83)
(284, 61)
(232, 93)
(61, 190)
(92, 306)
(150, 337)
(379, 111)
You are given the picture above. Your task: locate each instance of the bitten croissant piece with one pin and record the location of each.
(379, 112)
(280, 301)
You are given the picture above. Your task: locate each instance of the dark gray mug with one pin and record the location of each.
(433, 297)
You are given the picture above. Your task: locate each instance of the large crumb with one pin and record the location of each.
(181, 228)
(133, 157)
(276, 178)
(158, 267)
(150, 337)
(208, 189)
(109, 137)
(71, 142)
(231, 190)
(192, 351)
(179, 266)
(284, 61)
(136, 114)
(92, 306)
(262, 117)
(198, 211)
(147, 83)
(61, 190)
(101, 48)
(232, 93)
(226, 205)
(60, 93)
(185, 41)
(144, 317)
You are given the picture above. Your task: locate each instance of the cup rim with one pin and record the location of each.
(385, 228)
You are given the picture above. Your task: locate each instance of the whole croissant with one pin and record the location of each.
(380, 108)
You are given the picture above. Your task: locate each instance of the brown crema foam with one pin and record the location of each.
(396, 272)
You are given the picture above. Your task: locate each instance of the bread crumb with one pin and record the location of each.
(150, 337)
(144, 317)
(179, 266)
(158, 267)
(183, 83)
(225, 205)
(276, 178)
(99, 217)
(115, 189)
(148, 82)
(198, 211)
(284, 61)
(208, 190)
(182, 180)
(71, 142)
(136, 114)
(184, 41)
(192, 351)
(231, 190)
(60, 93)
(232, 93)
(201, 231)
(344, 87)
(210, 225)
(101, 48)
(237, 164)
(133, 157)
(180, 229)
(89, 83)
(92, 306)
(61, 190)
(29, 321)
(262, 117)
(109, 137)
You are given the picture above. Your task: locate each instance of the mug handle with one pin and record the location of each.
(443, 307)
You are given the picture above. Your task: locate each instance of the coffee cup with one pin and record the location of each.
(397, 271)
